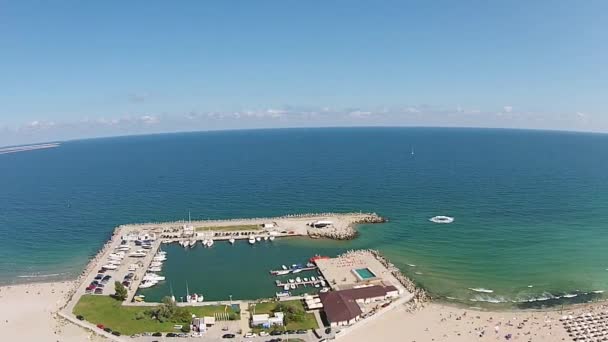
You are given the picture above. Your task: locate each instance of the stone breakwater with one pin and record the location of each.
(345, 232)
(420, 295)
(365, 218)
(91, 266)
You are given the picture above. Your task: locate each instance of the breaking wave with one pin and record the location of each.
(481, 289)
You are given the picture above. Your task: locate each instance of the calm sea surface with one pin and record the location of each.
(530, 208)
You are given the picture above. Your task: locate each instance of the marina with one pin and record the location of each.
(149, 262)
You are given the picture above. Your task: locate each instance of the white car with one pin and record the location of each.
(263, 333)
(250, 335)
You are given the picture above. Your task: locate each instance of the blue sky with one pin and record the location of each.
(71, 69)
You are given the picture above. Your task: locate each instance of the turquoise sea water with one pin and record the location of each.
(530, 207)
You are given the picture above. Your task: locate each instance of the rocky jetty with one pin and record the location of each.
(420, 295)
(348, 231)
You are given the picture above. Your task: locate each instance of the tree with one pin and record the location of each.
(292, 313)
(168, 311)
(121, 291)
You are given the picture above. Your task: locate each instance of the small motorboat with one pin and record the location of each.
(231, 240)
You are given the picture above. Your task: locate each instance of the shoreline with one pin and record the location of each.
(51, 302)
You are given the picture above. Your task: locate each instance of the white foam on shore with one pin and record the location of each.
(488, 299)
(570, 295)
(411, 265)
(481, 289)
(598, 291)
(40, 275)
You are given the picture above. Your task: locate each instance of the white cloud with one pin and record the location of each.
(507, 109)
(360, 114)
(38, 124)
(149, 119)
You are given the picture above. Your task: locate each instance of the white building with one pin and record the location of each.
(266, 321)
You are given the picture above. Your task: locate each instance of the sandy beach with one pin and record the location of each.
(437, 322)
(27, 313)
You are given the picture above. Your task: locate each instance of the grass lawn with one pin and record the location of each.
(109, 312)
(229, 228)
(309, 322)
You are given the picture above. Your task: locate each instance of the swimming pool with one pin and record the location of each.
(365, 273)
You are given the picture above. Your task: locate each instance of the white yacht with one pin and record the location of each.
(325, 289)
(265, 238)
(298, 279)
(258, 239)
(305, 279)
(231, 240)
(291, 280)
(286, 287)
(109, 267)
(156, 264)
(210, 243)
(155, 269)
(292, 286)
(271, 238)
(284, 267)
(251, 240)
(137, 254)
(153, 276)
(147, 283)
(312, 278)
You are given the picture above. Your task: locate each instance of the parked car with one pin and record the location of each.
(250, 335)
(157, 334)
(263, 333)
(98, 291)
(100, 326)
(276, 333)
(228, 336)
(99, 276)
(301, 331)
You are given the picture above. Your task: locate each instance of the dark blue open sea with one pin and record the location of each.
(530, 207)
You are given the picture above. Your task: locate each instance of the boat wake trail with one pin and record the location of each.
(442, 219)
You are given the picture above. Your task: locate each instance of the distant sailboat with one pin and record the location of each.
(412, 151)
